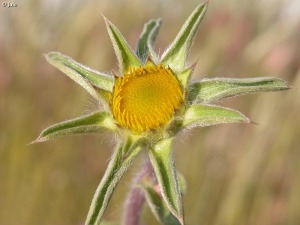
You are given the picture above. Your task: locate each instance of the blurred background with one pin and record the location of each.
(236, 174)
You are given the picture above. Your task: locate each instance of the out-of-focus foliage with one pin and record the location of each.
(236, 174)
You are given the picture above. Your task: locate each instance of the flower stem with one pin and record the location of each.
(136, 198)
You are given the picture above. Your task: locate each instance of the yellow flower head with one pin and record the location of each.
(146, 98)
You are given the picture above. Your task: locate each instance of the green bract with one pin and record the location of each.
(198, 110)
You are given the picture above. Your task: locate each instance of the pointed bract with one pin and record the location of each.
(208, 115)
(162, 159)
(81, 74)
(116, 168)
(147, 39)
(90, 123)
(157, 204)
(184, 76)
(126, 58)
(211, 90)
(175, 55)
(151, 39)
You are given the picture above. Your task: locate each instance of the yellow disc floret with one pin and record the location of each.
(146, 98)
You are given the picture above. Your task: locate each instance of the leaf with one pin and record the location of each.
(116, 168)
(157, 205)
(162, 159)
(91, 123)
(147, 39)
(211, 90)
(176, 54)
(126, 58)
(184, 76)
(208, 115)
(156, 202)
(81, 74)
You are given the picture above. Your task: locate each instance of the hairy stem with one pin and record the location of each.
(136, 199)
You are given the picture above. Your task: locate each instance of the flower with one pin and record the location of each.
(147, 104)
(146, 98)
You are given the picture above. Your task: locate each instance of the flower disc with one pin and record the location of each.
(146, 98)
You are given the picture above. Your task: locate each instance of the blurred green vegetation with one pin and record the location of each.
(236, 174)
